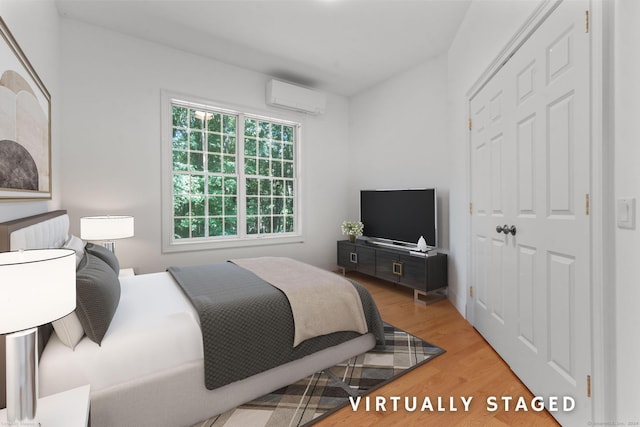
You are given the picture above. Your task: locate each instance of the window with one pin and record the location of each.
(233, 176)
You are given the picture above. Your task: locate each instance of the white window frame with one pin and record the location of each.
(169, 243)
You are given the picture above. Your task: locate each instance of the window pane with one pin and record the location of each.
(214, 124)
(230, 226)
(250, 147)
(181, 183)
(252, 187)
(181, 228)
(278, 224)
(289, 226)
(265, 225)
(266, 208)
(250, 127)
(180, 116)
(197, 163)
(265, 187)
(197, 227)
(252, 205)
(287, 151)
(289, 188)
(215, 227)
(263, 167)
(214, 163)
(215, 206)
(276, 132)
(276, 168)
(278, 187)
(250, 166)
(252, 225)
(197, 206)
(214, 144)
(278, 205)
(195, 140)
(180, 139)
(276, 150)
(196, 119)
(287, 169)
(230, 186)
(230, 206)
(197, 184)
(264, 148)
(229, 124)
(215, 185)
(287, 133)
(180, 160)
(229, 145)
(180, 206)
(264, 130)
(229, 164)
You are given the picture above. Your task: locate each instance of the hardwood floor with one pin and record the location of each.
(470, 367)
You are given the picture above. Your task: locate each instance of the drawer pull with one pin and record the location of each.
(397, 268)
(353, 257)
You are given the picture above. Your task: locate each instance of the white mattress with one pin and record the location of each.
(153, 312)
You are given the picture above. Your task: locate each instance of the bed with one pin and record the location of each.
(149, 368)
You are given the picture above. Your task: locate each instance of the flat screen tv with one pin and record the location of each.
(400, 217)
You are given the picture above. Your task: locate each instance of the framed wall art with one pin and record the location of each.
(25, 126)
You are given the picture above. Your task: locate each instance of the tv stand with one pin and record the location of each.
(395, 264)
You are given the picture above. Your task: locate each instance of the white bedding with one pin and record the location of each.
(155, 328)
(151, 372)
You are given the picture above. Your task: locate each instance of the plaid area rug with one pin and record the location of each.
(318, 395)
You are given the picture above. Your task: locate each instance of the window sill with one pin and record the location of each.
(205, 245)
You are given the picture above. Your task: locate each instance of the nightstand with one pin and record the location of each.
(126, 272)
(66, 409)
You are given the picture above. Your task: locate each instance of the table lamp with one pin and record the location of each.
(106, 228)
(37, 287)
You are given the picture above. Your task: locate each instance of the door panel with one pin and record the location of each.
(529, 158)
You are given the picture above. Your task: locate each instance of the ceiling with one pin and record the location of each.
(340, 46)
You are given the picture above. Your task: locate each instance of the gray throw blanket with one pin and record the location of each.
(247, 325)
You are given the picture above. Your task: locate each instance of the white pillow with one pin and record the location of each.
(77, 245)
(69, 330)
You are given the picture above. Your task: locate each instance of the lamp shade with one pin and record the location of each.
(36, 287)
(109, 227)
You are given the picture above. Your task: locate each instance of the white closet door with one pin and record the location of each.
(530, 156)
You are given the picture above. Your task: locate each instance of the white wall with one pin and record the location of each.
(397, 132)
(34, 24)
(485, 31)
(627, 184)
(112, 85)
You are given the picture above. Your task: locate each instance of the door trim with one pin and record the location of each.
(602, 213)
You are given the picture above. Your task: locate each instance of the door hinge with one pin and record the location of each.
(471, 291)
(587, 204)
(470, 208)
(586, 21)
(470, 124)
(588, 385)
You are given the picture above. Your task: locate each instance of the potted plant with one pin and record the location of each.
(352, 229)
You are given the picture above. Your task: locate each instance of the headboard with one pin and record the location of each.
(46, 230)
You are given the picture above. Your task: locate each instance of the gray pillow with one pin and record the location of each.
(105, 255)
(97, 296)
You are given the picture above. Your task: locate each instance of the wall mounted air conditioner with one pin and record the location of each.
(292, 97)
